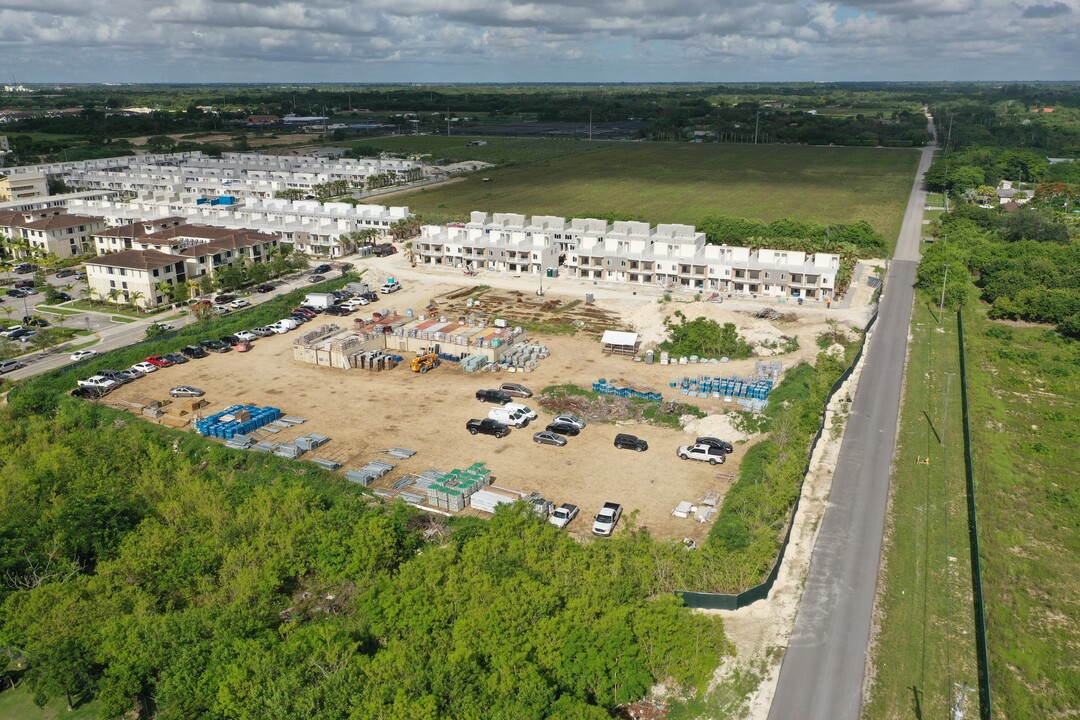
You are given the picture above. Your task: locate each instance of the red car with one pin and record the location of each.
(158, 361)
(305, 312)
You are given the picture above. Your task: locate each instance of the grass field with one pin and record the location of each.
(681, 183)
(501, 151)
(926, 642)
(1025, 400)
(17, 705)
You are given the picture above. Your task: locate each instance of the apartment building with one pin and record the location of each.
(49, 230)
(244, 175)
(673, 257)
(140, 256)
(23, 186)
(312, 227)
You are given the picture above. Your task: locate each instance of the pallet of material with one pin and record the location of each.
(311, 441)
(487, 500)
(293, 420)
(265, 446)
(280, 424)
(327, 464)
(412, 498)
(359, 477)
(273, 430)
(712, 499)
(288, 450)
(400, 453)
(172, 421)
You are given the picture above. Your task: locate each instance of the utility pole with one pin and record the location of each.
(757, 123)
(590, 123)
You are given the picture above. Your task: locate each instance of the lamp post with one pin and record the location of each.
(941, 307)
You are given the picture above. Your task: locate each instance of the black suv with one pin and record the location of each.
(216, 346)
(230, 340)
(67, 272)
(89, 393)
(716, 443)
(369, 296)
(264, 288)
(487, 426)
(630, 442)
(324, 268)
(193, 351)
(495, 396)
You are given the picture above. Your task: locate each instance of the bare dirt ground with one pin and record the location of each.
(366, 412)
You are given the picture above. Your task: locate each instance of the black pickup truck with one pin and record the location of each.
(487, 426)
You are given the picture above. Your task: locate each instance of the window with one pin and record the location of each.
(112, 283)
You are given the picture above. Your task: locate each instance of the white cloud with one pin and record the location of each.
(557, 40)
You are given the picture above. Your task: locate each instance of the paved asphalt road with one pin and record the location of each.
(822, 674)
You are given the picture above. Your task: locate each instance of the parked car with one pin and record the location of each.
(369, 296)
(717, 443)
(316, 279)
(279, 328)
(14, 333)
(63, 296)
(605, 521)
(65, 272)
(27, 336)
(245, 336)
(516, 390)
(306, 312)
(300, 318)
(82, 355)
(222, 299)
(324, 268)
(24, 284)
(338, 310)
(163, 327)
(230, 340)
(174, 358)
(390, 287)
(239, 303)
(563, 515)
(144, 367)
(487, 426)
(310, 308)
(193, 351)
(220, 309)
(563, 428)
(15, 293)
(186, 391)
(9, 365)
(516, 418)
(116, 375)
(98, 381)
(545, 437)
(493, 396)
(262, 331)
(132, 373)
(524, 409)
(28, 321)
(570, 420)
(704, 453)
(81, 275)
(354, 303)
(264, 288)
(216, 346)
(23, 268)
(89, 393)
(624, 441)
(289, 323)
(160, 361)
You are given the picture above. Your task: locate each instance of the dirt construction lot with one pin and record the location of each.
(367, 412)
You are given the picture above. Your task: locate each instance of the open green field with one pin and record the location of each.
(683, 182)
(925, 643)
(501, 151)
(18, 705)
(1025, 403)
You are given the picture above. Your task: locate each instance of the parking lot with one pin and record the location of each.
(366, 412)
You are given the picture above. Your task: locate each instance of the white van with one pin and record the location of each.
(288, 323)
(525, 409)
(514, 418)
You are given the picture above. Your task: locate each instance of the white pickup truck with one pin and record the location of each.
(704, 453)
(605, 521)
(98, 381)
(563, 515)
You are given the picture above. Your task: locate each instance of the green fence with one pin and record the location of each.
(986, 711)
(727, 601)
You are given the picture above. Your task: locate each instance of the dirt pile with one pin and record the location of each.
(605, 408)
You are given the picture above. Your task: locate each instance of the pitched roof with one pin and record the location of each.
(59, 222)
(136, 260)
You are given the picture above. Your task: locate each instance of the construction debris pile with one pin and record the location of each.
(606, 408)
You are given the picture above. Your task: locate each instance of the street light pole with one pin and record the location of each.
(941, 307)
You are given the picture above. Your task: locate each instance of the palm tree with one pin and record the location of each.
(114, 296)
(133, 297)
(7, 312)
(167, 289)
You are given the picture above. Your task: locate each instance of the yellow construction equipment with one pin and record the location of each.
(426, 361)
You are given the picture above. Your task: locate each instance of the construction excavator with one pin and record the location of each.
(426, 361)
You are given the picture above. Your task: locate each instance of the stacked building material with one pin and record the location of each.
(225, 424)
(372, 471)
(400, 453)
(328, 464)
(752, 388)
(264, 446)
(603, 387)
(523, 358)
(488, 499)
(453, 489)
(288, 450)
(311, 441)
(472, 363)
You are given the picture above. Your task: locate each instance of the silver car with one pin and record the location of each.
(549, 438)
(186, 391)
(570, 420)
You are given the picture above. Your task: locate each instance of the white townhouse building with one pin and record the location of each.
(244, 175)
(312, 227)
(50, 230)
(667, 255)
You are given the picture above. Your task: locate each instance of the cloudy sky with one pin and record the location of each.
(544, 40)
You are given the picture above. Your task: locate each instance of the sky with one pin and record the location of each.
(382, 41)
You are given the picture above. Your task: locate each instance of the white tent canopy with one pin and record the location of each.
(614, 337)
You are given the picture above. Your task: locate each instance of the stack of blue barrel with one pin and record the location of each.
(739, 387)
(224, 424)
(603, 387)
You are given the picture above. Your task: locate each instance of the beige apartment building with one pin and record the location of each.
(23, 186)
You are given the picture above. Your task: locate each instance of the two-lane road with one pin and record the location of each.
(822, 673)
